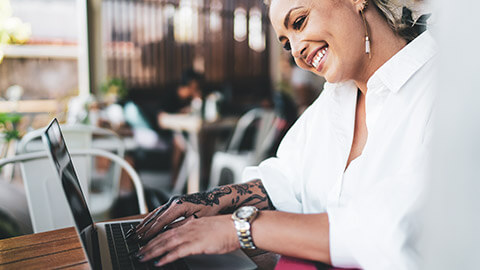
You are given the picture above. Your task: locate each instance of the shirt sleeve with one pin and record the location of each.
(281, 175)
(380, 228)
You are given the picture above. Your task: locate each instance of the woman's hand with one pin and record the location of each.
(197, 204)
(221, 200)
(207, 235)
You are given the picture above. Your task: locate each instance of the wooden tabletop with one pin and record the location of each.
(61, 249)
(53, 249)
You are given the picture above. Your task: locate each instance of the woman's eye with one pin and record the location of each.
(298, 23)
(286, 46)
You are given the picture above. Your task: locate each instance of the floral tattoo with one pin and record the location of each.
(252, 193)
(208, 198)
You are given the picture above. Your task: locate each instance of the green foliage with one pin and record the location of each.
(116, 87)
(8, 125)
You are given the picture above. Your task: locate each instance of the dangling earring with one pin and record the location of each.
(367, 39)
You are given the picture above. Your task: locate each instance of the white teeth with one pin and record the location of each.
(318, 57)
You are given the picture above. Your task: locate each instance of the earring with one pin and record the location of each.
(367, 39)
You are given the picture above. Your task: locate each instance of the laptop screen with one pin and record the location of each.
(71, 185)
(63, 164)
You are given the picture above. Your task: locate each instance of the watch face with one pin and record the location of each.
(245, 212)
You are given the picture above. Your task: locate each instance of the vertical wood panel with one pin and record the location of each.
(140, 44)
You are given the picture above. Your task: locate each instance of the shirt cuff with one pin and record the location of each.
(340, 238)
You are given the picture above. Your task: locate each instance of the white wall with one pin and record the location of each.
(53, 19)
(453, 213)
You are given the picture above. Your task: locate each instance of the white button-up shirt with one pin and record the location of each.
(371, 204)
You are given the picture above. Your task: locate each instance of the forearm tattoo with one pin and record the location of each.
(208, 198)
(252, 193)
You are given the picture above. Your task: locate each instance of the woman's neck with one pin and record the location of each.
(384, 44)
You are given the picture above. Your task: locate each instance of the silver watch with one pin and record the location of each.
(243, 218)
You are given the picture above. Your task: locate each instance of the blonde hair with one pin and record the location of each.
(392, 11)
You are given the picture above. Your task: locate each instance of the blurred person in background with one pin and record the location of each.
(185, 99)
(348, 176)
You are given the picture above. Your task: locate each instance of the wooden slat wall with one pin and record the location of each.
(140, 46)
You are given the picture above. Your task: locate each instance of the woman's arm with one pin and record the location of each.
(226, 199)
(299, 235)
(221, 200)
(303, 236)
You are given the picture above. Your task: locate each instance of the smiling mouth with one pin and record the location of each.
(319, 56)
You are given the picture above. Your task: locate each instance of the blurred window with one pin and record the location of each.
(46, 65)
(240, 24)
(215, 17)
(256, 38)
(44, 17)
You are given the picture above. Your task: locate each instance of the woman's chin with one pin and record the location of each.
(333, 76)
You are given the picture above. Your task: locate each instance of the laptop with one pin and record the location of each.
(104, 243)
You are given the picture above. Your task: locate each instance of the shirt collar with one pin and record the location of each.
(401, 67)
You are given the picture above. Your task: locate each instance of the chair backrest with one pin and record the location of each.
(227, 166)
(263, 136)
(38, 174)
(47, 204)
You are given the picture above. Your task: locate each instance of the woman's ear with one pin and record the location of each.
(360, 5)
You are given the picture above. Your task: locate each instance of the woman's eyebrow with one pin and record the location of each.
(287, 17)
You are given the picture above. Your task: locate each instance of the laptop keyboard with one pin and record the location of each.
(120, 249)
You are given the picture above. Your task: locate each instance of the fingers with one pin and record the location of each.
(159, 225)
(150, 219)
(169, 246)
(161, 245)
(208, 235)
(181, 222)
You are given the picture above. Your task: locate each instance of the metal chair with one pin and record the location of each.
(80, 136)
(228, 165)
(47, 204)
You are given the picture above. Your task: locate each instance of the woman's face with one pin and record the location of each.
(326, 37)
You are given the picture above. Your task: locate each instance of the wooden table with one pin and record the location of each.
(61, 249)
(53, 249)
(191, 171)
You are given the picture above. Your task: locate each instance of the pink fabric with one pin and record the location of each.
(289, 263)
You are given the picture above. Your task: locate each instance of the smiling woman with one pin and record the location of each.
(349, 175)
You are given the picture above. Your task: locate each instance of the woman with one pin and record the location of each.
(348, 176)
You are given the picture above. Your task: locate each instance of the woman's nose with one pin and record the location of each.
(299, 50)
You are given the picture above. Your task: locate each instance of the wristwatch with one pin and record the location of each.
(243, 218)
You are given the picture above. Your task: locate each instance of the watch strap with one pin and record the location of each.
(244, 234)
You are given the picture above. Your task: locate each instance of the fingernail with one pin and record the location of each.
(139, 257)
(129, 234)
(132, 229)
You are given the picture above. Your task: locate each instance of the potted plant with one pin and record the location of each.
(10, 134)
(8, 127)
